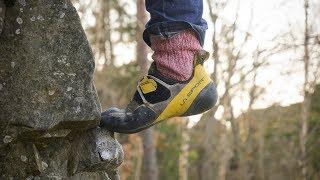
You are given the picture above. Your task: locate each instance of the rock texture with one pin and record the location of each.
(49, 110)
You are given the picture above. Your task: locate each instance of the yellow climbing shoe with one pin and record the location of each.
(159, 98)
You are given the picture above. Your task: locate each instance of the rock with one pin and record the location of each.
(49, 106)
(105, 153)
(39, 76)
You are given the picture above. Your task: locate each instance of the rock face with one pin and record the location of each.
(49, 110)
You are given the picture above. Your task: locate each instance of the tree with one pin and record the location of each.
(184, 152)
(311, 72)
(150, 168)
(104, 41)
(305, 108)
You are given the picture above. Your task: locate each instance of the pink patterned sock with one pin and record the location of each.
(174, 56)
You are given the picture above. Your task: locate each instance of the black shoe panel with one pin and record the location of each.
(205, 100)
(127, 122)
(159, 95)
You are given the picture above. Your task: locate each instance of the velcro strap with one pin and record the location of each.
(147, 85)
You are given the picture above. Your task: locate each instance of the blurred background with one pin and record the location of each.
(265, 61)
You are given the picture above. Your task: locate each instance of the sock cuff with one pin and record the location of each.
(185, 40)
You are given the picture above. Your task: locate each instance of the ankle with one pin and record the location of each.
(174, 56)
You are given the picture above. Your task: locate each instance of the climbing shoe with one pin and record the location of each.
(158, 98)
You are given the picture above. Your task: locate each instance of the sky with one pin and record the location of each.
(270, 18)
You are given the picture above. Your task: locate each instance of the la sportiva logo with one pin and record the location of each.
(191, 91)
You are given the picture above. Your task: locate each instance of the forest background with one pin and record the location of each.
(266, 64)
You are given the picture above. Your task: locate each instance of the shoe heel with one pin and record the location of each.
(205, 100)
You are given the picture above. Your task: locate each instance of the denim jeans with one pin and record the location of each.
(169, 17)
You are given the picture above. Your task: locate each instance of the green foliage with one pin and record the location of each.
(313, 144)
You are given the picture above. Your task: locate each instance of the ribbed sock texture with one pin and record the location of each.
(174, 56)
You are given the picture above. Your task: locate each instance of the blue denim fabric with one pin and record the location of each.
(169, 17)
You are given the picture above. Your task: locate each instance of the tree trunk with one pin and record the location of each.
(261, 146)
(208, 163)
(103, 30)
(224, 158)
(183, 156)
(234, 161)
(150, 169)
(307, 99)
(142, 48)
(139, 156)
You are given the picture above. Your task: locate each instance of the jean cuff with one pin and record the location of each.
(170, 28)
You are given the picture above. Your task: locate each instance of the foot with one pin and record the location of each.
(158, 98)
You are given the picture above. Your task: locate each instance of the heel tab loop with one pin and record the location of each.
(200, 57)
